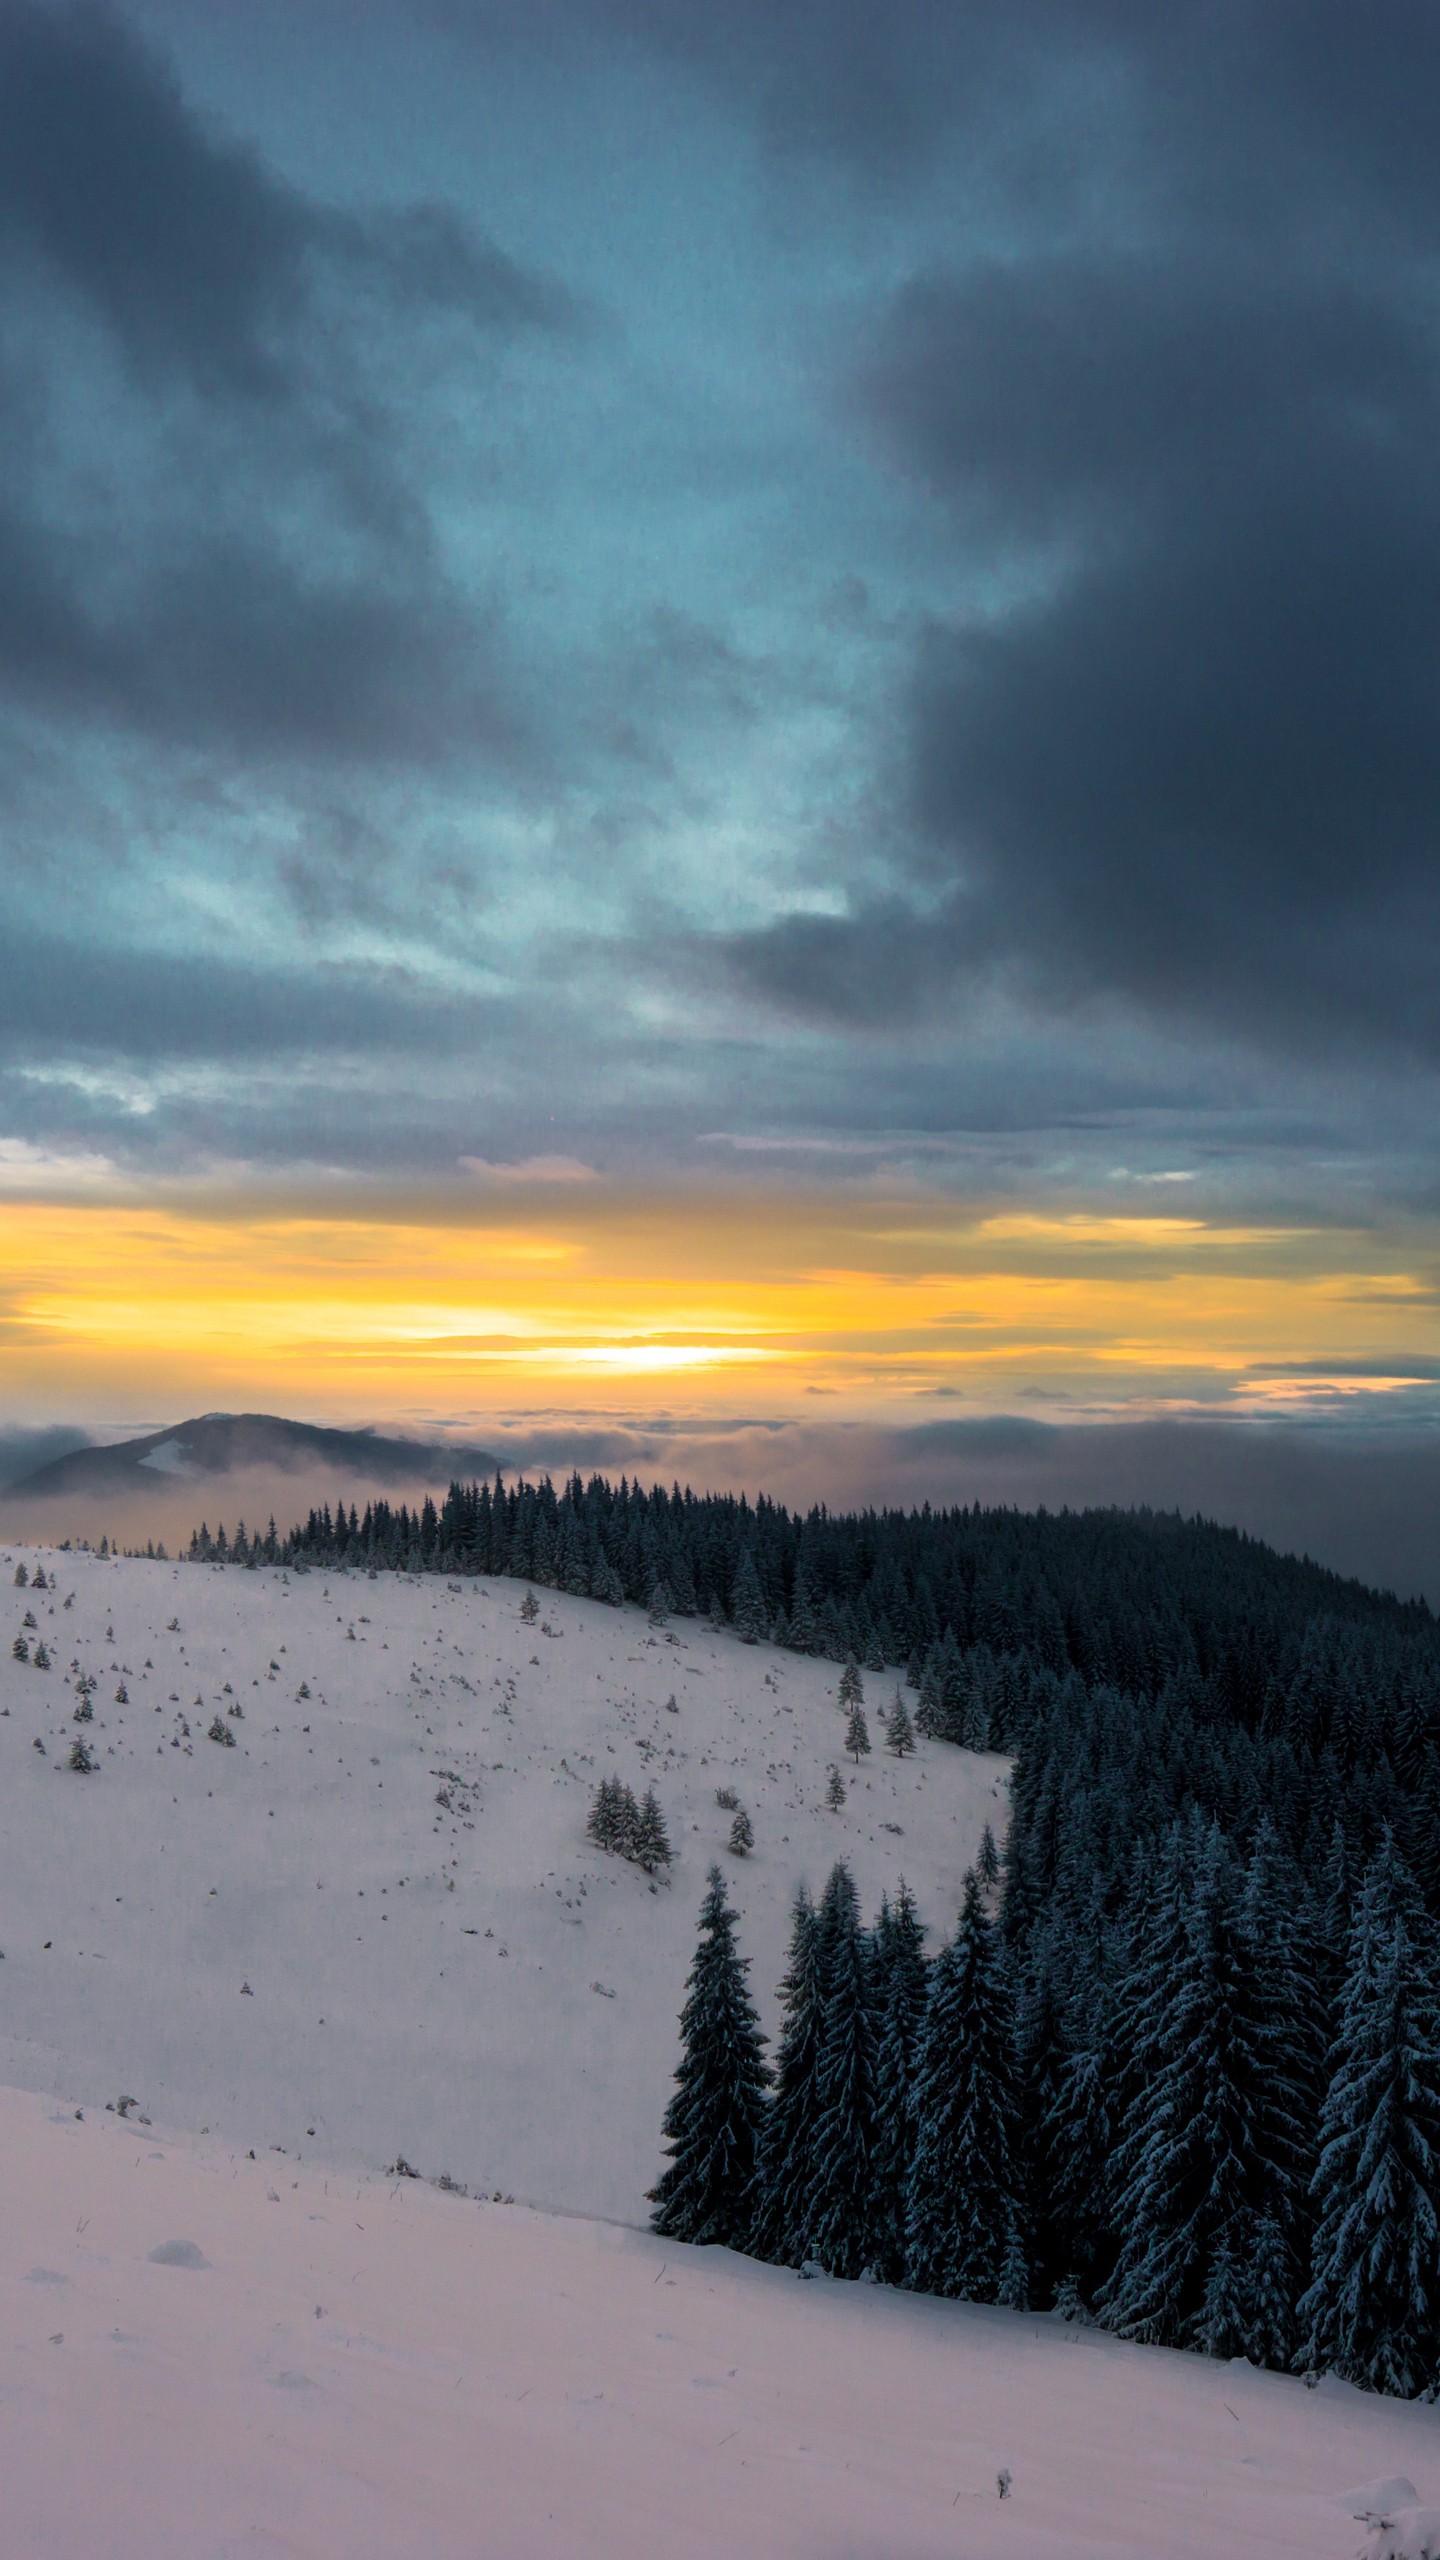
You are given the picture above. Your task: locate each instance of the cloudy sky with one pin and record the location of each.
(710, 707)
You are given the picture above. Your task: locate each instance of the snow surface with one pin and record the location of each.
(364, 2369)
(208, 2353)
(519, 2031)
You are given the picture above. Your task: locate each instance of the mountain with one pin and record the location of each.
(232, 1465)
(222, 1444)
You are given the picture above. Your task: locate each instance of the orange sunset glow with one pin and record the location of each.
(618, 1301)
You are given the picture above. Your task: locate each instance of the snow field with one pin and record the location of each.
(363, 2369)
(468, 1983)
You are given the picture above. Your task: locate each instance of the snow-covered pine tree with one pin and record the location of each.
(803, 1636)
(851, 1692)
(20, 1649)
(713, 2122)
(742, 1836)
(747, 1603)
(857, 1734)
(902, 1981)
(987, 1865)
(21, 1577)
(835, 1790)
(783, 2168)
(652, 1845)
(1074, 2141)
(837, 2206)
(1372, 2310)
(660, 1602)
(899, 1731)
(964, 2210)
(626, 1820)
(603, 1815)
(1288, 1967)
(1192, 2185)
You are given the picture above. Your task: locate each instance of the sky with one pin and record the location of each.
(722, 719)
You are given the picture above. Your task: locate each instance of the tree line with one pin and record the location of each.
(1245, 2167)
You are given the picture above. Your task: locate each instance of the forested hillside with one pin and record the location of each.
(1179, 2068)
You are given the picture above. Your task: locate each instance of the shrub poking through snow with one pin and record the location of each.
(122, 1696)
(727, 1799)
(741, 1835)
(82, 1759)
(219, 1731)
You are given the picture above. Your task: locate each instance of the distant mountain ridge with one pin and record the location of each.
(222, 1444)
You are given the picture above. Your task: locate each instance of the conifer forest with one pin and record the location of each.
(1177, 2068)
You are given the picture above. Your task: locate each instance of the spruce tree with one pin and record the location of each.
(747, 1603)
(783, 2169)
(899, 1731)
(902, 1982)
(835, 1790)
(852, 1688)
(857, 1736)
(651, 1846)
(713, 2122)
(837, 2221)
(742, 1835)
(964, 2216)
(1192, 2174)
(1372, 2310)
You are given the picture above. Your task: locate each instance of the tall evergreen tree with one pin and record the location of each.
(1193, 2184)
(964, 2218)
(837, 2212)
(783, 2167)
(1372, 2310)
(902, 1984)
(713, 2121)
(747, 1603)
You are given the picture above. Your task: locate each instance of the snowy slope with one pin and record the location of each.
(369, 2371)
(422, 1978)
(363, 2367)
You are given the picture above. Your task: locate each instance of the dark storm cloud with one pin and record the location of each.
(191, 251)
(63, 999)
(1183, 745)
(241, 563)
